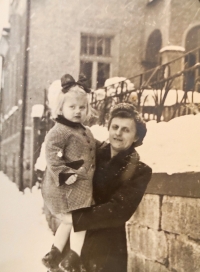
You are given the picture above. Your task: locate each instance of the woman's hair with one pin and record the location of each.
(76, 90)
(126, 110)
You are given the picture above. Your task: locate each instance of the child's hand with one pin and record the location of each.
(71, 179)
(40, 175)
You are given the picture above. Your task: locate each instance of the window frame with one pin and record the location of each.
(94, 58)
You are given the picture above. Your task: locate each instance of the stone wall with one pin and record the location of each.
(163, 235)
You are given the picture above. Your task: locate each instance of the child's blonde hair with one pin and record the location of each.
(57, 109)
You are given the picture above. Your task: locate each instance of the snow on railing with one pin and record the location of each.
(11, 112)
(154, 88)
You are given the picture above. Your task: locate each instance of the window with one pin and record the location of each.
(154, 44)
(152, 56)
(95, 59)
(192, 42)
(95, 45)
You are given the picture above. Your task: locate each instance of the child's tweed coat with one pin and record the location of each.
(70, 148)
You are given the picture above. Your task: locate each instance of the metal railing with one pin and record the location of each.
(182, 73)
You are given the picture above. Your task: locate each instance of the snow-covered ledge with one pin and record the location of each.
(172, 48)
(173, 54)
(178, 184)
(10, 113)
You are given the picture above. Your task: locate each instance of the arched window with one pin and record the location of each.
(192, 42)
(154, 43)
(192, 39)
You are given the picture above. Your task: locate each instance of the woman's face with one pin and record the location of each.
(122, 134)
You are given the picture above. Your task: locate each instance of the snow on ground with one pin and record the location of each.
(24, 233)
(170, 147)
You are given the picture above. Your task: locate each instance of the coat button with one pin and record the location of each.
(88, 141)
(91, 148)
(84, 134)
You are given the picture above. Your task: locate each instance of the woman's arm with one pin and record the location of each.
(121, 206)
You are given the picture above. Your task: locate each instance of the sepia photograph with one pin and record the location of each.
(100, 135)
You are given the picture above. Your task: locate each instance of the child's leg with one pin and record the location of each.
(77, 240)
(62, 235)
(63, 232)
(53, 258)
(72, 261)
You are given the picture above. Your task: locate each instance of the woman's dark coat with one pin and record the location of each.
(119, 185)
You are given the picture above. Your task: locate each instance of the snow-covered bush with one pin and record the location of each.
(112, 86)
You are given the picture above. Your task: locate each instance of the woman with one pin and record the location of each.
(119, 182)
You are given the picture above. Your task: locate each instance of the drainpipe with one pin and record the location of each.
(24, 95)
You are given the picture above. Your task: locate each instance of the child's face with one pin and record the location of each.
(75, 107)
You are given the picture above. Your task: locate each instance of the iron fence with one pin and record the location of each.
(156, 85)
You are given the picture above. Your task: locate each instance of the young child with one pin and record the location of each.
(70, 157)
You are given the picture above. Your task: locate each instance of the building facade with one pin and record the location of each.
(100, 38)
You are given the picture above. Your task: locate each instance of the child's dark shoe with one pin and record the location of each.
(52, 259)
(72, 263)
